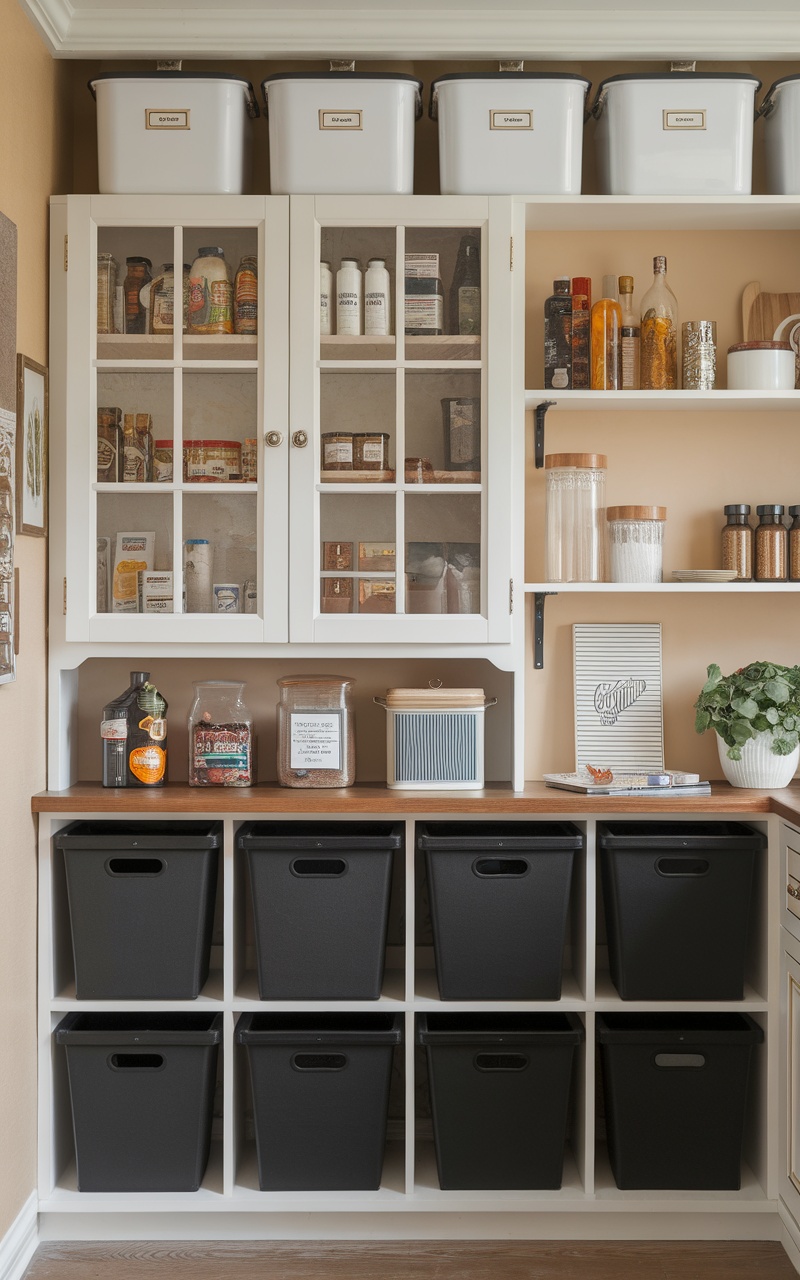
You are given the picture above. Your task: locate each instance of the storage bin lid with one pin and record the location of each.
(434, 699)
(478, 837)
(328, 77)
(583, 461)
(678, 835)
(488, 77)
(140, 1028)
(119, 837)
(499, 1028)
(319, 1028)
(292, 836)
(670, 77)
(195, 77)
(677, 1029)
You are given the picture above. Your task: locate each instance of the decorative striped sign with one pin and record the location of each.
(619, 722)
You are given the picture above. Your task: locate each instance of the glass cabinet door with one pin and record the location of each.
(184, 385)
(399, 523)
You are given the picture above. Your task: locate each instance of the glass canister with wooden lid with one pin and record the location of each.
(575, 517)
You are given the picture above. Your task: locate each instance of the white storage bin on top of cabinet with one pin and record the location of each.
(675, 134)
(780, 111)
(166, 132)
(341, 132)
(508, 131)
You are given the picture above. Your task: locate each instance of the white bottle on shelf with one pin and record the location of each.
(377, 306)
(325, 299)
(349, 298)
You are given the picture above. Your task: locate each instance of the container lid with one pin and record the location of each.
(291, 836)
(140, 1029)
(760, 346)
(319, 1028)
(636, 513)
(435, 698)
(139, 837)
(326, 77)
(794, 511)
(212, 444)
(288, 682)
(770, 509)
(489, 77)
(592, 461)
(157, 77)
(670, 77)
(677, 1030)
(737, 509)
(499, 1028)
(491, 837)
(678, 835)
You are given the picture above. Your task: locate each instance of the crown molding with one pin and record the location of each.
(72, 31)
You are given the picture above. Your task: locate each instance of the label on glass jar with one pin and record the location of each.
(315, 740)
(372, 451)
(341, 451)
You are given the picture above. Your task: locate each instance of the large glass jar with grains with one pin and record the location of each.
(316, 732)
(737, 541)
(222, 745)
(771, 544)
(658, 348)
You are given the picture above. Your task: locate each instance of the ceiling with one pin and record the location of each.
(719, 30)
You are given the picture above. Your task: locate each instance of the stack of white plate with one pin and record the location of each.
(704, 575)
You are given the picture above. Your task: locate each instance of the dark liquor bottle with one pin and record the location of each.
(465, 293)
(134, 734)
(558, 336)
(581, 329)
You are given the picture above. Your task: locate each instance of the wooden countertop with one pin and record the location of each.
(376, 799)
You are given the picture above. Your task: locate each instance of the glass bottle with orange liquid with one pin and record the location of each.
(606, 340)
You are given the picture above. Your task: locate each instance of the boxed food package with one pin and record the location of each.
(133, 555)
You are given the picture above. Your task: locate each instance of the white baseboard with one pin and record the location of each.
(19, 1243)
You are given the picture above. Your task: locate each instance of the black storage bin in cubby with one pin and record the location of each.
(320, 1084)
(677, 907)
(500, 1090)
(142, 1091)
(499, 896)
(141, 906)
(675, 1089)
(320, 895)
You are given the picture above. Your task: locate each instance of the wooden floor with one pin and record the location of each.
(462, 1260)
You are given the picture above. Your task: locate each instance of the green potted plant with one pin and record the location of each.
(755, 712)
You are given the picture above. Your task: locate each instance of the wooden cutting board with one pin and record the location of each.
(763, 312)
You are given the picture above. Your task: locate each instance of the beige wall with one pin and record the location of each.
(32, 141)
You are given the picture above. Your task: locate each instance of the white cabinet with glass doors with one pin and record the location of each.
(237, 499)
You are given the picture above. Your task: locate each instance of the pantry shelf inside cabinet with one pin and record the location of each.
(205, 347)
(674, 401)
(210, 997)
(607, 999)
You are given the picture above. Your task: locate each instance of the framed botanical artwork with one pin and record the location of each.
(32, 415)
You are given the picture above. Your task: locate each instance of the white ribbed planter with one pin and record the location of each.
(759, 766)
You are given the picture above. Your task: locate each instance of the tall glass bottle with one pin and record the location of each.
(630, 336)
(581, 316)
(606, 339)
(659, 333)
(465, 293)
(558, 335)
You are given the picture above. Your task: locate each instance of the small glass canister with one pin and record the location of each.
(737, 541)
(771, 544)
(316, 732)
(635, 537)
(222, 745)
(574, 522)
(699, 356)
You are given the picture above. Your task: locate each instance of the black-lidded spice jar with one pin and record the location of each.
(771, 544)
(737, 541)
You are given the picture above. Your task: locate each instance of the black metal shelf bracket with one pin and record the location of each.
(538, 627)
(540, 412)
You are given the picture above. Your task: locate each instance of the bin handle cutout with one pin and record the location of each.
(509, 868)
(135, 866)
(319, 1061)
(501, 1061)
(329, 867)
(683, 866)
(136, 1061)
(680, 1060)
